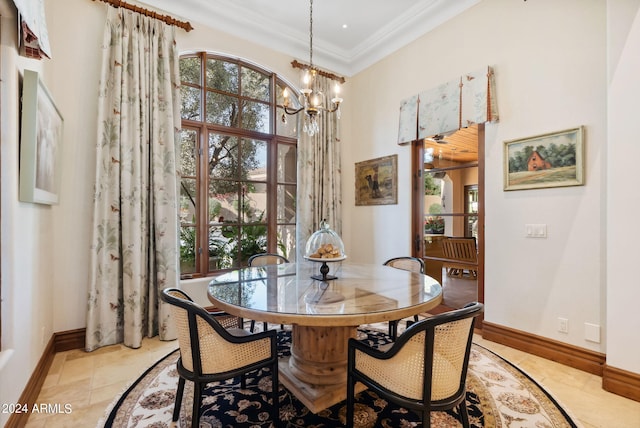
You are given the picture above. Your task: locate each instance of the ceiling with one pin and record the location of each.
(374, 28)
(458, 147)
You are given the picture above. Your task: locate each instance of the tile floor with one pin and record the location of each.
(89, 382)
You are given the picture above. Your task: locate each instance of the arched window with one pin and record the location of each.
(238, 165)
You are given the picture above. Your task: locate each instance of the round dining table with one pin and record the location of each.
(323, 314)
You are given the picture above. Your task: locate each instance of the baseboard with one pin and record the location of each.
(621, 382)
(64, 341)
(572, 356)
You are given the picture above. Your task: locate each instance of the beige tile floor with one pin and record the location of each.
(89, 382)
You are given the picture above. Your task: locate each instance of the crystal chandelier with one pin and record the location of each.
(311, 99)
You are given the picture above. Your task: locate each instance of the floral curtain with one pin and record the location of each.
(135, 226)
(458, 103)
(319, 174)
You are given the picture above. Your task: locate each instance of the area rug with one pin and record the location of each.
(498, 395)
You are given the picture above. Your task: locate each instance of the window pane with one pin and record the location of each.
(230, 234)
(287, 163)
(223, 200)
(222, 75)
(286, 204)
(188, 200)
(223, 156)
(187, 250)
(190, 70)
(286, 241)
(255, 85)
(188, 144)
(254, 164)
(218, 250)
(255, 116)
(254, 206)
(253, 240)
(222, 109)
(190, 103)
(286, 125)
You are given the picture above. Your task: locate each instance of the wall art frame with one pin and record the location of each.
(40, 143)
(377, 181)
(555, 159)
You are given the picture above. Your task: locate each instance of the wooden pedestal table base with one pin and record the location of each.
(316, 372)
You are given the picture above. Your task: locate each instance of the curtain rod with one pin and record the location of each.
(186, 25)
(296, 64)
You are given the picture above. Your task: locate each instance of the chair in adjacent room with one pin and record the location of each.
(412, 264)
(264, 259)
(463, 257)
(210, 353)
(424, 370)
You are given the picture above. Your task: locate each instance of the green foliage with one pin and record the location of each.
(557, 155)
(431, 185)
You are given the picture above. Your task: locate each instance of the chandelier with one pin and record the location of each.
(311, 99)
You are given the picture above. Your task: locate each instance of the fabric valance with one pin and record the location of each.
(448, 107)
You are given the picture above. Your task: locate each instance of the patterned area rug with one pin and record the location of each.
(498, 395)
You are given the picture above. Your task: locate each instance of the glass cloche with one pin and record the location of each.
(324, 245)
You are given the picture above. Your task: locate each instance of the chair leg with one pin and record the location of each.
(197, 400)
(243, 381)
(265, 326)
(178, 404)
(350, 402)
(393, 330)
(253, 326)
(275, 395)
(464, 415)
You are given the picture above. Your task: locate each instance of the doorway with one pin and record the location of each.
(448, 202)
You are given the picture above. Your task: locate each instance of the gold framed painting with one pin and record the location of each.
(377, 181)
(555, 159)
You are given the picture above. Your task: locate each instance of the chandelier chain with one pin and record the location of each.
(311, 33)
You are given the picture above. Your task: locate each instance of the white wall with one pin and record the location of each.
(28, 238)
(549, 61)
(623, 198)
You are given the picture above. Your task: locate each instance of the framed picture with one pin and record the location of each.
(377, 181)
(555, 159)
(40, 143)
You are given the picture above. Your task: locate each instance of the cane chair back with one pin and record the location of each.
(265, 259)
(209, 352)
(412, 264)
(424, 370)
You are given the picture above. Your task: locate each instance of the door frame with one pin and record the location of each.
(417, 206)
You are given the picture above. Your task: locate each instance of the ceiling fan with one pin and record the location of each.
(438, 139)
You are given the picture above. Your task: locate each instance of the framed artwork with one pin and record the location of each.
(555, 159)
(377, 181)
(40, 143)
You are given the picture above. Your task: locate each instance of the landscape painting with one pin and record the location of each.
(548, 160)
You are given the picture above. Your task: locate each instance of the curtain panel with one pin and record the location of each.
(319, 174)
(134, 251)
(449, 106)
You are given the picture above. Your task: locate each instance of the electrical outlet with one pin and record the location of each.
(592, 332)
(563, 325)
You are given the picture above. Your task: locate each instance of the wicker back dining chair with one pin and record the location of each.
(412, 264)
(424, 370)
(264, 259)
(209, 352)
